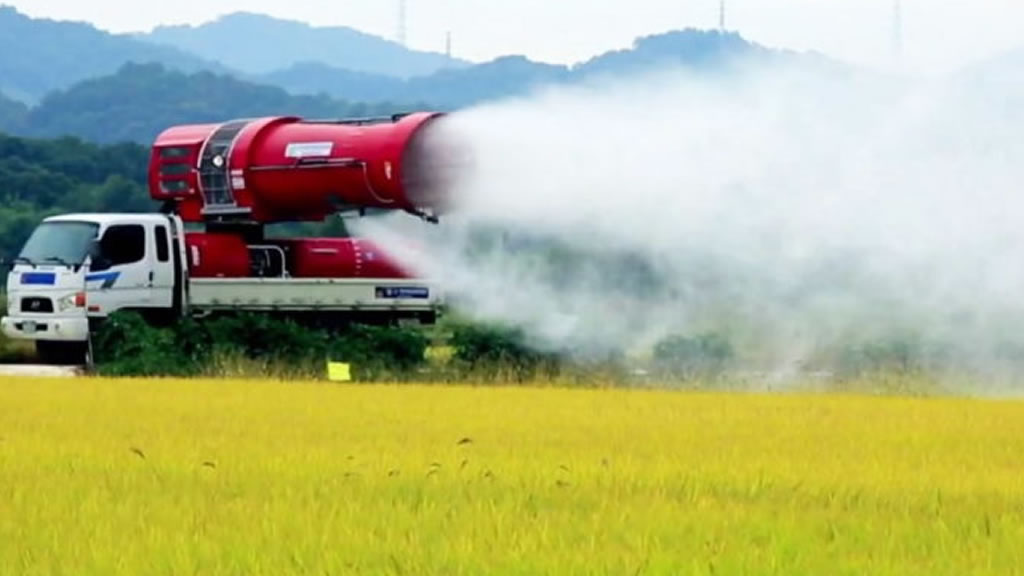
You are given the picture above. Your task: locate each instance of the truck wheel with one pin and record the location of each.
(61, 353)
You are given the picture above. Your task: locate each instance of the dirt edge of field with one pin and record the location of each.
(39, 370)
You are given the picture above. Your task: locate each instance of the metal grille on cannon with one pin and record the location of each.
(213, 169)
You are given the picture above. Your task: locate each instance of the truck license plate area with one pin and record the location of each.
(31, 327)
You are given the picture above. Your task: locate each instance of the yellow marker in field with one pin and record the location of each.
(339, 372)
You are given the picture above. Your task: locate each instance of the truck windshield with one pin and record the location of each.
(59, 243)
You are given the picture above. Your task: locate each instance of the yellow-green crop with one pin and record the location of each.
(202, 477)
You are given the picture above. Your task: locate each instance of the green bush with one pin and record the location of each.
(493, 351)
(126, 345)
(702, 356)
(378, 352)
(279, 341)
(900, 355)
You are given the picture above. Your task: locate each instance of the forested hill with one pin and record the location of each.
(141, 100)
(104, 87)
(12, 113)
(258, 44)
(38, 56)
(41, 177)
(705, 51)
(502, 78)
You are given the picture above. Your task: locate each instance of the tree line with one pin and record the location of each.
(40, 177)
(142, 100)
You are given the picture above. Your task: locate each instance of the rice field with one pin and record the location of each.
(103, 477)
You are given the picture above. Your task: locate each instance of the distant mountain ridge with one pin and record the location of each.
(257, 44)
(157, 86)
(44, 56)
(516, 75)
(449, 89)
(39, 55)
(139, 100)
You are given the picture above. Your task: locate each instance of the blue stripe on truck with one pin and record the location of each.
(108, 278)
(39, 278)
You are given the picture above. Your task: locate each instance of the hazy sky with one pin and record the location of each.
(938, 34)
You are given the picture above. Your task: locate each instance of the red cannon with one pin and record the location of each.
(286, 169)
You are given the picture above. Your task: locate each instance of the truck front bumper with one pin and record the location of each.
(55, 328)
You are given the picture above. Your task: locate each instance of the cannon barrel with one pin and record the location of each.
(286, 169)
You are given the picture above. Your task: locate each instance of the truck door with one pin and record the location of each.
(162, 285)
(122, 275)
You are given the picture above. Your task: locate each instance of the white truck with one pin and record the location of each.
(77, 269)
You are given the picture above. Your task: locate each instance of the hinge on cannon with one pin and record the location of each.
(431, 218)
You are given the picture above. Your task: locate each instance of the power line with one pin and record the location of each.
(402, 14)
(897, 29)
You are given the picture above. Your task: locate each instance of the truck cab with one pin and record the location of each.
(78, 268)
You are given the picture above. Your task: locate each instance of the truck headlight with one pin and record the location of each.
(76, 300)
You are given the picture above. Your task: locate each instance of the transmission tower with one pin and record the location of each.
(897, 30)
(402, 14)
(721, 15)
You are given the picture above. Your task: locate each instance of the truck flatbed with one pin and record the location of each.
(311, 294)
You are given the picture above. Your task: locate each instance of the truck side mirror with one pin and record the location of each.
(96, 259)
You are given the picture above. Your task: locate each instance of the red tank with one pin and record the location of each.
(217, 255)
(341, 258)
(281, 169)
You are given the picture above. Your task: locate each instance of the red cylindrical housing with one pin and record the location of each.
(341, 258)
(225, 255)
(212, 255)
(288, 169)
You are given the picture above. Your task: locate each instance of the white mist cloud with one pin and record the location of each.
(789, 208)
